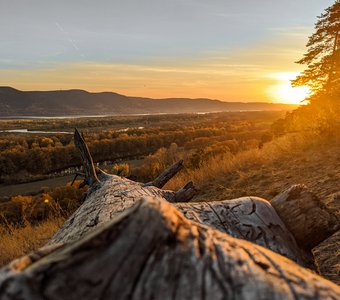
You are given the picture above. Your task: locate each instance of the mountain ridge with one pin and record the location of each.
(14, 102)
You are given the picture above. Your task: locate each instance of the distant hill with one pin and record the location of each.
(79, 102)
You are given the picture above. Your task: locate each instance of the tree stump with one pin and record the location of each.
(153, 252)
(305, 216)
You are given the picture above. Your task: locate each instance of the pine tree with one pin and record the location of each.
(322, 74)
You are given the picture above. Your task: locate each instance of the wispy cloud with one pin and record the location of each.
(67, 36)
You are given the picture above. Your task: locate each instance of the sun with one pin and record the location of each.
(283, 91)
(288, 94)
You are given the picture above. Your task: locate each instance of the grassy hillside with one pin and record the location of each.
(297, 158)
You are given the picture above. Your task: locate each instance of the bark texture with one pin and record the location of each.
(248, 218)
(104, 201)
(332, 203)
(305, 216)
(153, 252)
(327, 258)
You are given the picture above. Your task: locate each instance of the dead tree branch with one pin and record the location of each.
(89, 168)
(166, 175)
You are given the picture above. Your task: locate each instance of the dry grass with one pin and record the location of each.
(242, 162)
(16, 242)
(296, 158)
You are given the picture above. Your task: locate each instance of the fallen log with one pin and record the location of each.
(253, 219)
(305, 216)
(153, 252)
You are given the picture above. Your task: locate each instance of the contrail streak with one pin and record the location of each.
(71, 41)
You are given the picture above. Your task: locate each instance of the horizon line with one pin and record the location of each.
(143, 97)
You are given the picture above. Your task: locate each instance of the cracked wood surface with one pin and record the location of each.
(248, 218)
(104, 201)
(153, 252)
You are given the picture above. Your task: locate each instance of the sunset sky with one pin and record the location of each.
(229, 50)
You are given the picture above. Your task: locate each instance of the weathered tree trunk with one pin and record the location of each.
(252, 219)
(153, 252)
(305, 216)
